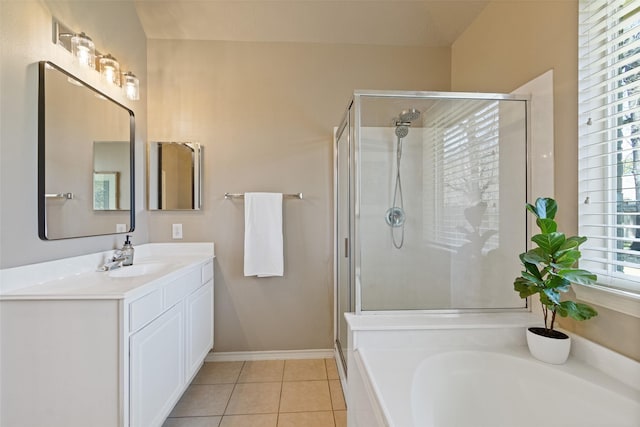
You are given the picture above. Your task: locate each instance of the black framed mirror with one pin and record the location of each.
(85, 159)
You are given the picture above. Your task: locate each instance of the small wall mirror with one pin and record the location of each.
(85, 159)
(174, 172)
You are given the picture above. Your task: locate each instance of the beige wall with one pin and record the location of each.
(264, 113)
(509, 44)
(25, 39)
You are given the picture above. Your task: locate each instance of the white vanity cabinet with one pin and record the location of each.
(105, 361)
(167, 352)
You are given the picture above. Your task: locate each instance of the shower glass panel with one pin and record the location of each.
(440, 185)
(345, 294)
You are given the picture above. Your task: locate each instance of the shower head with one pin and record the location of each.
(409, 115)
(402, 130)
(404, 121)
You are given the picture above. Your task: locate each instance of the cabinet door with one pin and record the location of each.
(157, 368)
(199, 327)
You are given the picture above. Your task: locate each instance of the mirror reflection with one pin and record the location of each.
(85, 159)
(174, 175)
(111, 182)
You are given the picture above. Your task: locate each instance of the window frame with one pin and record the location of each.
(599, 149)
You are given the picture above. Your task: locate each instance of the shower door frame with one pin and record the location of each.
(346, 125)
(355, 249)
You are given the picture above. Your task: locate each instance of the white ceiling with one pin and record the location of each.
(382, 22)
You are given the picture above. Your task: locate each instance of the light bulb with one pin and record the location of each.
(131, 86)
(83, 50)
(110, 70)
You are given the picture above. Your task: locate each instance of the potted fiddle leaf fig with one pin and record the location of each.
(549, 271)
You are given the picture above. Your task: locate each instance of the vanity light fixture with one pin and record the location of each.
(131, 86)
(110, 69)
(84, 50)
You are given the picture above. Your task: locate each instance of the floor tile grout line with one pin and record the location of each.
(272, 381)
(224, 412)
(331, 397)
(326, 371)
(248, 414)
(193, 416)
(326, 368)
(284, 367)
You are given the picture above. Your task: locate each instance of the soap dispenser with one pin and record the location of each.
(127, 252)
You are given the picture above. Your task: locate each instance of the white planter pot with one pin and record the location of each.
(547, 349)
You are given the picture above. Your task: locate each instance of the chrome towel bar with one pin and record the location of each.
(67, 196)
(241, 196)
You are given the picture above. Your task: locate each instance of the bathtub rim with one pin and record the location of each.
(396, 405)
(458, 320)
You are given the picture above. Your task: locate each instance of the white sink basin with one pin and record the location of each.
(136, 270)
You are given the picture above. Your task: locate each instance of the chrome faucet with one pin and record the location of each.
(114, 262)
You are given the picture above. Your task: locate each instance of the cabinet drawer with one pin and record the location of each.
(207, 272)
(181, 287)
(144, 310)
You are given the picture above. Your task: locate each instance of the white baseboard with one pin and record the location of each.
(235, 356)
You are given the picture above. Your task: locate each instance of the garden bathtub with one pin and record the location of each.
(501, 388)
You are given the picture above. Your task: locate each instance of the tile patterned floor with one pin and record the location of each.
(269, 393)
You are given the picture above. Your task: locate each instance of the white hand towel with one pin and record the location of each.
(263, 241)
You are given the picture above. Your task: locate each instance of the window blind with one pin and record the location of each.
(609, 140)
(464, 167)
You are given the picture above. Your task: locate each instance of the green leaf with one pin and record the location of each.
(530, 267)
(533, 270)
(576, 275)
(532, 278)
(524, 287)
(562, 310)
(535, 256)
(567, 259)
(547, 225)
(549, 243)
(568, 245)
(558, 283)
(578, 240)
(546, 207)
(532, 209)
(576, 310)
(544, 299)
(552, 295)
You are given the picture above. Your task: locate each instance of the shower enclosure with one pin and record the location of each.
(430, 189)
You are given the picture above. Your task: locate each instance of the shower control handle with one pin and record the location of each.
(346, 247)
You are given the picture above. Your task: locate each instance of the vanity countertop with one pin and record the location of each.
(78, 278)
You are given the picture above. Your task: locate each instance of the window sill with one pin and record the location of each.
(624, 302)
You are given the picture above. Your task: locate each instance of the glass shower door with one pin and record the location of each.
(441, 186)
(344, 301)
